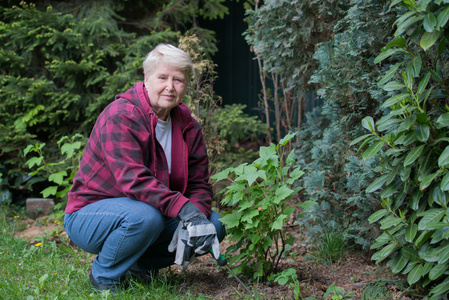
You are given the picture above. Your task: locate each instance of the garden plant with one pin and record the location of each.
(412, 145)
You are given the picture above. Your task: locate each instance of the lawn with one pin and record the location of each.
(38, 261)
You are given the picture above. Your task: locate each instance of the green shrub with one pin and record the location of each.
(335, 175)
(411, 140)
(259, 196)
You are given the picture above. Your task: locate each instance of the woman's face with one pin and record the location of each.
(166, 86)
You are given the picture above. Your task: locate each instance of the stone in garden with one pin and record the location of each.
(39, 207)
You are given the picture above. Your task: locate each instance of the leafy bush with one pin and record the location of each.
(60, 172)
(411, 140)
(259, 197)
(59, 70)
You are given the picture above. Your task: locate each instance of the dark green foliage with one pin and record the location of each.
(412, 142)
(347, 77)
(61, 65)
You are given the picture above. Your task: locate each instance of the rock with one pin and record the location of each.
(39, 206)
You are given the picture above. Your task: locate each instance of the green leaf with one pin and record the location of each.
(34, 161)
(429, 22)
(377, 215)
(221, 175)
(307, 204)
(444, 186)
(390, 221)
(377, 183)
(428, 39)
(359, 139)
(407, 23)
(385, 54)
(444, 120)
(395, 99)
(413, 155)
(427, 180)
(279, 222)
(443, 17)
(422, 132)
(444, 157)
(441, 289)
(51, 190)
(438, 270)
(399, 263)
(368, 123)
(287, 138)
(439, 196)
(410, 232)
(281, 194)
(384, 252)
(398, 42)
(231, 220)
(423, 83)
(389, 190)
(429, 217)
(57, 177)
(389, 74)
(393, 86)
(372, 150)
(415, 274)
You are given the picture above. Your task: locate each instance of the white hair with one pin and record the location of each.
(170, 55)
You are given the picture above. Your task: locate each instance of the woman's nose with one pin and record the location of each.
(170, 84)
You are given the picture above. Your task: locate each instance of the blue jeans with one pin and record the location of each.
(122, 232)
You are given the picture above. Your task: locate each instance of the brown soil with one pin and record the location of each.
(352, 272)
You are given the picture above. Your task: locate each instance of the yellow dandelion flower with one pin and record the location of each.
(38, 244)
(15, 217)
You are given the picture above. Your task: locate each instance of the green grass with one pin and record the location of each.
(51, 271)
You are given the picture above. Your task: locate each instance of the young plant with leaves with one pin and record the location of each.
(60, 172)
(411, 140)
(260, 195)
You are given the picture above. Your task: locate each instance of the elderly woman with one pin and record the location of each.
(142, 186)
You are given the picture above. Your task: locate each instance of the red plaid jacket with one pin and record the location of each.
(123, 159)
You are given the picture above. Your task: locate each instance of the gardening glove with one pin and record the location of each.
(195, 235)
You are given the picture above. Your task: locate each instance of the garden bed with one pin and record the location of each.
(352, 272)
